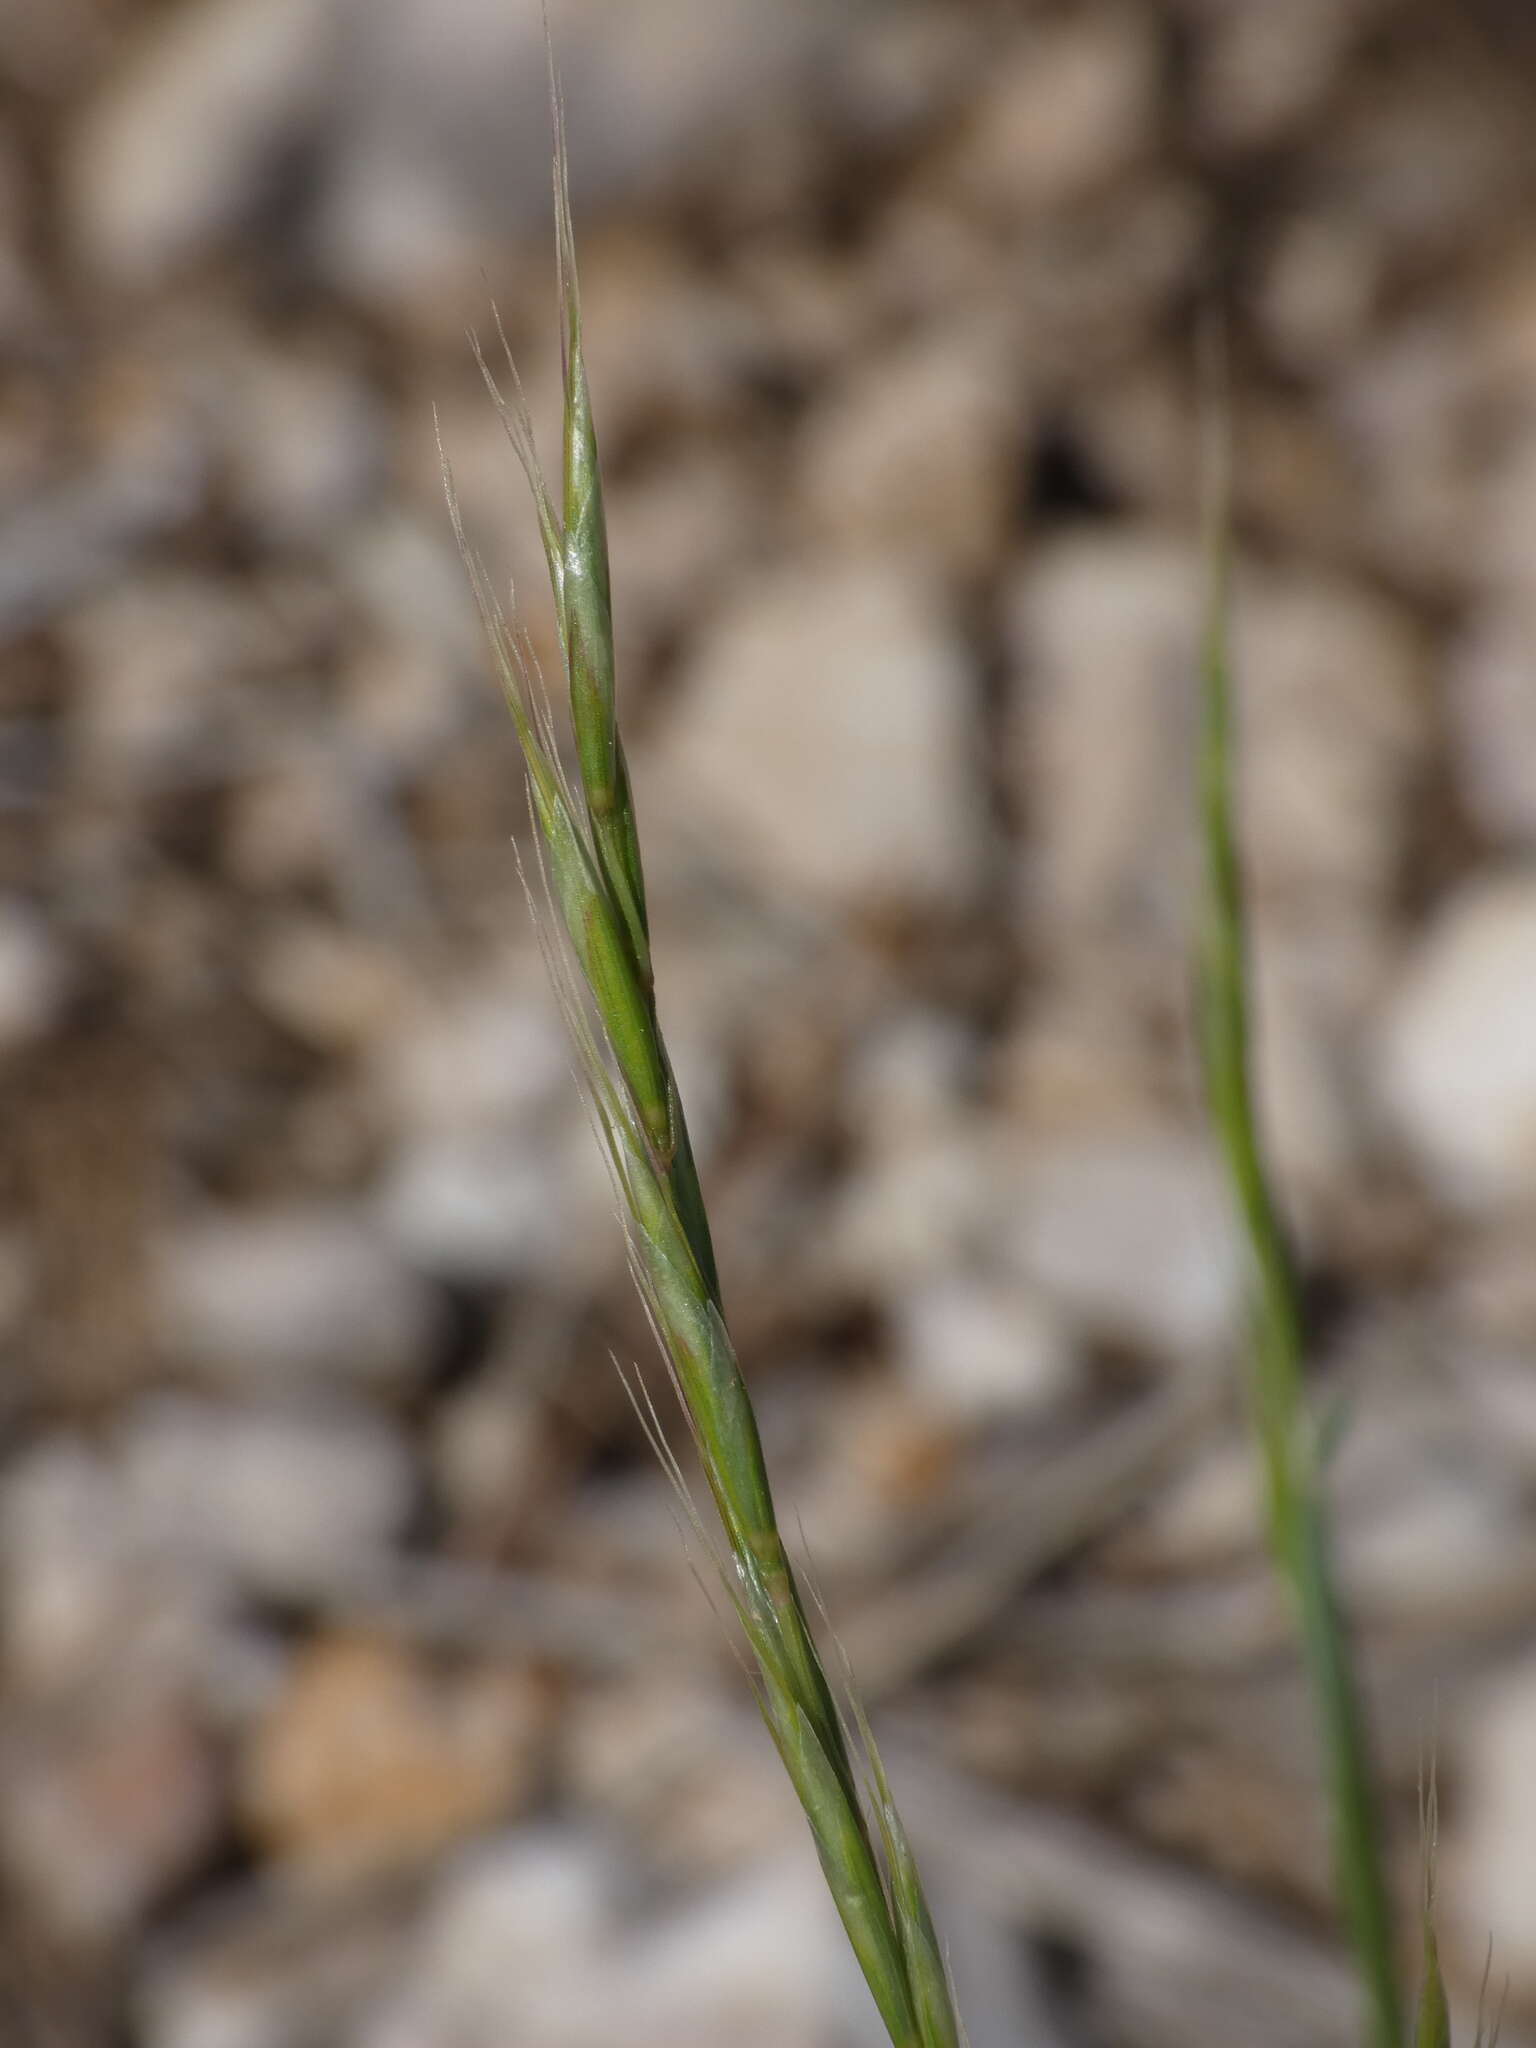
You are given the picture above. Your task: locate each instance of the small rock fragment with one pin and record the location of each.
(1457, 1050)
(672, 1763)
(823, 740)
(369, 1761)
(1493, 723)
(973, 1349)
(33, 977)
(69, 1577)
(466, 1207)
(284, 1499)
(919, 1207)
(304, 444)
(1132, 1235)
(918, 454)
(334, 988)
(479, 1059)
(528, 1943)
(163, 661)
(1332, 730)
(181, 145)
(1104, 634)
(1488, 1858)
(100, 1817)
(445, 130)
(303, 1293)
(518, 1942)
(1072, 108)
(480, 1206)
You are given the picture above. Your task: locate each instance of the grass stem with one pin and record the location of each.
(1293, 1466)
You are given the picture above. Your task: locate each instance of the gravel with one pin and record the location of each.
(321, 1504)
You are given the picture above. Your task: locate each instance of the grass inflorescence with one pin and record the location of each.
(597, 940)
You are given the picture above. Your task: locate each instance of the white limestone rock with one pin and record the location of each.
(1332, 731)
(1457, 1049)
(281, 1497)
(917, 453)
(1488, 1858)
(974, 1348)
(1493, 722)
(1132, 1235)
(305, 1292)
(822, 741)
(177, 150)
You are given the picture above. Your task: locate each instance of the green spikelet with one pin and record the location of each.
(597, 941)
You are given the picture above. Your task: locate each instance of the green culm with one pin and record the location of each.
(1291, 1454)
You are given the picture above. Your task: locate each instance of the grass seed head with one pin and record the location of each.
(595, 932)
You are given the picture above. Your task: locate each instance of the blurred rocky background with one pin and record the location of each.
(355, 1687)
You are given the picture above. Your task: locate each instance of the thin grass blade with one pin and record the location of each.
(1293, 1470)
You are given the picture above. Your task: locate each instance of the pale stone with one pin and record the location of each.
(520, 1940)
(916, 1209)
(1210, 1515)
(467, 1206)
(1488, 1857)
(163, 662)
(1132, 1235)
(1493, 722)
(673, 1763)
(282, 1499)
(908, 1080)
(98, 1822)
(1431, 1539)
(484, 1206)
(522, 1903)
(528, 1942)
(478, 1058)
(714, 1971)
(1403, 402)
(1104, 632)
(427, 122)
(1312, 984)
(305, 442)
(1457, 1060)
(177, 149)
(301, 1292)
(446, 126)
(333, 988)
(1332, 728)
(71, 1568)
(369, 1762)
(675, 531)
(918, 453)
(822, 741)
(34, 977)
(1501, 1389)
(1319, 289)
(1072, 107)
(1259, 75)
(972, 1348)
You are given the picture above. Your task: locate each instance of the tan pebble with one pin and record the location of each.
(369, 1760)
